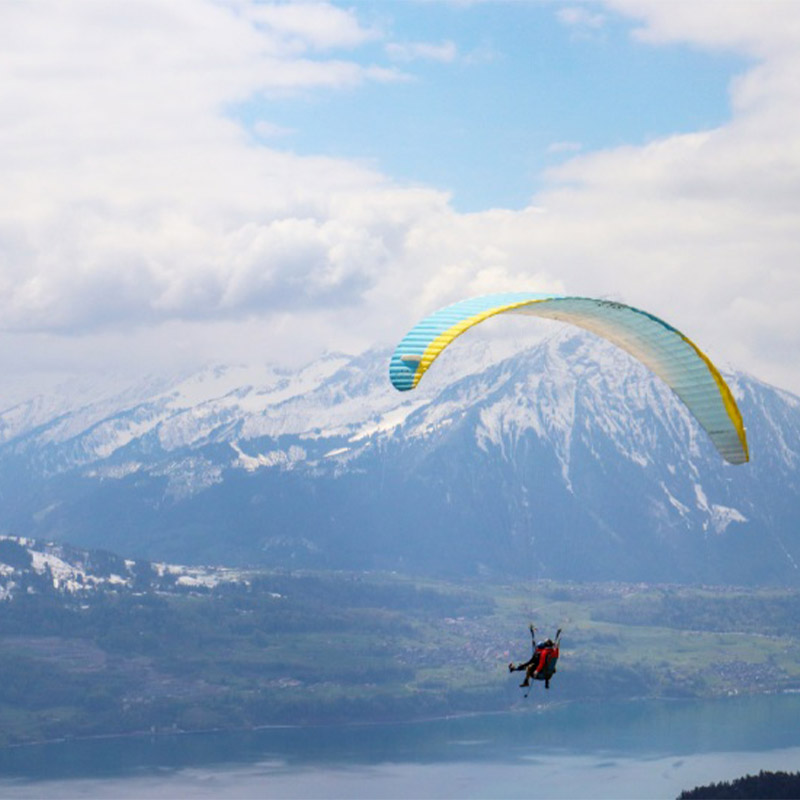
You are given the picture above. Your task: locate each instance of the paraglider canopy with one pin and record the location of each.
(662, 348)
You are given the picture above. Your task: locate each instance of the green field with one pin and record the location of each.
(331, 647)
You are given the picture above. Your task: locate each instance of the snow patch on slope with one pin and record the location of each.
(274, 458)
(719, 516)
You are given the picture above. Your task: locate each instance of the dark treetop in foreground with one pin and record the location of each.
(764, 786)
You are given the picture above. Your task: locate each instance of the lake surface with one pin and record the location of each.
(642, 749)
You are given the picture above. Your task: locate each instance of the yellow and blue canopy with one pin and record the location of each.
(663, 349)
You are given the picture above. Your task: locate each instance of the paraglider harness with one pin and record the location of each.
(531, 667)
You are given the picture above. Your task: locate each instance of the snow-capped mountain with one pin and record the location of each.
(565, 459)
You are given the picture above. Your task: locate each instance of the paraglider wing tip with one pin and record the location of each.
(738, 458)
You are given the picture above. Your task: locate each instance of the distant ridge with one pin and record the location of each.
(566, 460)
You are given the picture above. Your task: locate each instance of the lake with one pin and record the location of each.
(635, 749)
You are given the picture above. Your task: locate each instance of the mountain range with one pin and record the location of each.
(563, 459)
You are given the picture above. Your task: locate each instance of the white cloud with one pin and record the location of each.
(128, 196)
(309, 25)
(444, 52)
(564, 147)
(764, 29)
(704, 228)
(581, 17)
(136, 216)
(269, 130)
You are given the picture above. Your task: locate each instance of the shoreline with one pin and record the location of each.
(142, 734)
(517, 709)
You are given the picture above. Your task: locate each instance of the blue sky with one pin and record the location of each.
(183, 179)
(523, 90)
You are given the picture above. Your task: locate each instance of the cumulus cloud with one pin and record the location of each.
(308, 25)
(581, 17)
(134, 208)
(766, 29)
(413, 51)
(130, 195)
(703, 227)
(564, 147)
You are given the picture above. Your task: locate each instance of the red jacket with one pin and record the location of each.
(544, 654)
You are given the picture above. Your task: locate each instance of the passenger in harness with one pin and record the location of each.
(542, 664)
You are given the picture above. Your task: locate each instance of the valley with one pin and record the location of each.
(247, 648)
